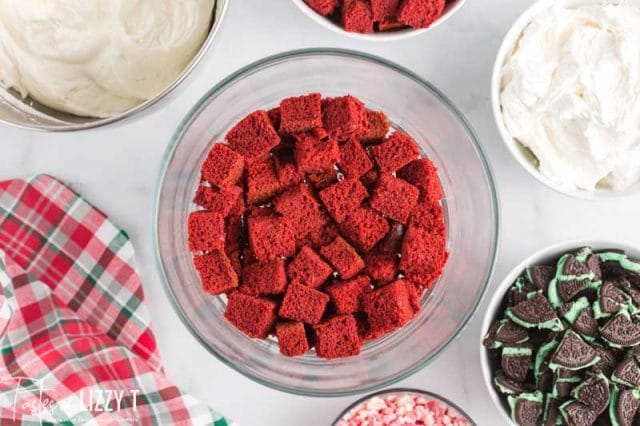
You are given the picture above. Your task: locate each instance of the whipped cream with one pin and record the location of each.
(570, 93)
(100, 57)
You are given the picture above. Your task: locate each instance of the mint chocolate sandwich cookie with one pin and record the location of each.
(624, 406)
(567, 342)
(535, 312)
(627, 373)
(526, 408)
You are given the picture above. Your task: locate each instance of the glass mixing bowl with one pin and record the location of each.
(412, 105)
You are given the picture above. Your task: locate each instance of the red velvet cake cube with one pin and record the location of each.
(342, 198)
(302, 209)
(222, 201)
(206, 231)
(354, 161)
(303, 303)
(344, 117)
(377, 128)
(370, 178)
(292, 338)
(254, 136)
(346, 296)
(394, 198)
(323, 7)
(396, 151)
(252, 315)
(365, 227)
(423, 174)
(357, 16)
(315, 154)
(216, 272)
(382, 267)
(286, 170)
(275, 116)
(320, 237)
(223, 166)
(271, 237)
(388, 308)
(337, 337)
(235, 260)
(322, 180)
(415, 293)
(390, 24)
(262, 181)
(383, 9)
(234, 231)
(301, 113)
(430, 217)
(344, 258)
(307, 268)
(264, 279)
(420, 13)
(422, 251)
(424, 280)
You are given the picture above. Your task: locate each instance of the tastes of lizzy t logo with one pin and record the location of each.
(30, 397)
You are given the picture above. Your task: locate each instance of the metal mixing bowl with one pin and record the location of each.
(30, 114)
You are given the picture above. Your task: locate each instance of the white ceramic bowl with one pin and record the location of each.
(451, 8)
(514, 146)
(540, 257)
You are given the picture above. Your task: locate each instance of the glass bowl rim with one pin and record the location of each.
(428, 394)
(249, 69)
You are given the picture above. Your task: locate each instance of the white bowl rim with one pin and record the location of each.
(548, 252)
(512, 145)
(380, 36)
(149, 103)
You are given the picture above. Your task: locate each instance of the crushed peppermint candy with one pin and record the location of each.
(402, 409)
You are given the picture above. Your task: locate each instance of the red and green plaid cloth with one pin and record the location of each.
(75, 339)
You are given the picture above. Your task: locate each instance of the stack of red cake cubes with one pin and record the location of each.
(321, 224)
(368, 16)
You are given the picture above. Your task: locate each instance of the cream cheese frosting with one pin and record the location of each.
(98, 58)
(570, 93)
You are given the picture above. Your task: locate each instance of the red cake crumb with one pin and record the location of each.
(320, 237)
(423, 174)
(315, 154)
(323, 7)
(354, 161)
(343, 117)
(275, 117)
(343, 258)
(302, 209)
(223, 167)
(342, 198)
(390, 24)
(420, 13)
(381, 267)
(394, 198)
(365, 227)
(264, 279)
(388, 307)
(322, 180)
(271, 237)
(234, 231)
(292, 338)
(430, 217)
(262, 182)
(377, 128)
(357, 16)
(396, 151)
(301, 113)
(307, 268)
(392, 242)
(254, 316)
(303, 303)
(222, 201)
(383, 9)
(337, 337)
(254, 136)
(346, 296)
(216, 272)
(236, 261)
(286, 170)
(206, 231)
(422, 251)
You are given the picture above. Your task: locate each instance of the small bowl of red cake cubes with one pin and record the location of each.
(326, 222)
(381, 20)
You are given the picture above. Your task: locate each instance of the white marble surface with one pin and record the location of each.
(116, 169)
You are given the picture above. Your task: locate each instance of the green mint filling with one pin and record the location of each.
(621, 259)
(576, 308)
